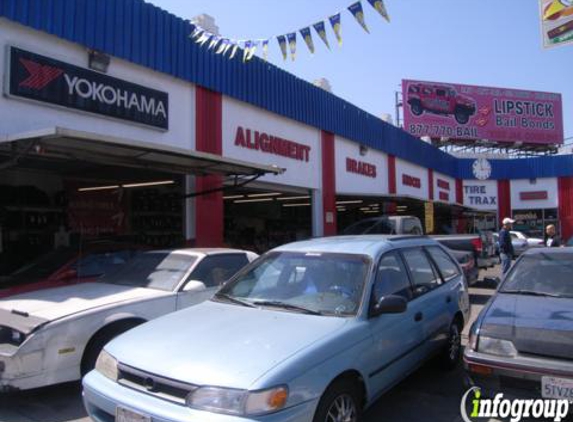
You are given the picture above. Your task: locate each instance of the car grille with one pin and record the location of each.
(155, 385)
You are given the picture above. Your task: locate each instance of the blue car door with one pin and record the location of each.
(396, 337)
(428, 296)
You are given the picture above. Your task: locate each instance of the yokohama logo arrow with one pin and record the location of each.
(39, 76)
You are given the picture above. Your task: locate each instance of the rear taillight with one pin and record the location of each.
(478, 244)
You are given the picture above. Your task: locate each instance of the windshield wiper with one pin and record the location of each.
(234, 300)
(530, 293)
(284, 305)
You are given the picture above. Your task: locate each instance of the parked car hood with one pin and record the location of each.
(536, 325)
(220, 344)
(52, 304)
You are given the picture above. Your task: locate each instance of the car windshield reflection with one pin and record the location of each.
(311, 283)
(541, 275)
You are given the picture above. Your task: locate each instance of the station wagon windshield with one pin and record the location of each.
(312, 283)
(542, 275)
(155, 270)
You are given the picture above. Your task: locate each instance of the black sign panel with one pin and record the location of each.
(44, 79)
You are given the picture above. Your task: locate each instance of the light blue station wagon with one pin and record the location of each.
(311, 331)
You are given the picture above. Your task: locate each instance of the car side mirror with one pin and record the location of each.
(194, 286)
(492, 282)
(390, 305)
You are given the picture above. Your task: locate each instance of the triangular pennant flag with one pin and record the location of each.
(227, 47)
(307, 37)
(379, 6)
(321, 31)
(281, 39)
(234, 51)
(214, 41)
(196, 32)
(203, 38)
(246, 50)
(265, 47)
(358, 13)
(335, 22)
(292, 44)
(222, 46)
(254, 45)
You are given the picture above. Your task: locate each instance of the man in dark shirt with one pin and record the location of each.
(505, 245)
(552, 240)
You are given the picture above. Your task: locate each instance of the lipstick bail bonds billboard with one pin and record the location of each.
(467, 112)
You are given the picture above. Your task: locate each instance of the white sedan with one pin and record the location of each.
(532, 242)
(55, 335)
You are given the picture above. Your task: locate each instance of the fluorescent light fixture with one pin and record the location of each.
(144, 184)
(233, 197)
(128, 185)
(372, 212)
(262, 195)
(402, 208)
(306, 204)
(292, 198)
(365, 209)
(358, 201)
(94, 188)
(244, 201)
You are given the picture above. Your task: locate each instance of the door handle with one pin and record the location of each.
(418, 317)
(448, 299)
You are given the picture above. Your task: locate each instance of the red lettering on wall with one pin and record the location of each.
(443, 184)
(260, 141)
(444, 196)
(360, 167)
(411, 181)
(533, 196)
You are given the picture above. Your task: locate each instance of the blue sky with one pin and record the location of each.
(487, 42)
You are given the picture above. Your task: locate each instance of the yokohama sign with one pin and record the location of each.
(50, 81)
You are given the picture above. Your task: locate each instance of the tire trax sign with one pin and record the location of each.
(43, 79)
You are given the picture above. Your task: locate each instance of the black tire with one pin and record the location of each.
(416, 108)
(341, 396)
(462, 116)
(99, 340)
(450, 356)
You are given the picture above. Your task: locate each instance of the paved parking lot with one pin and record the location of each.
(427, 395)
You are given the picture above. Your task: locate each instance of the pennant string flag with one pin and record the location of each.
(265, 48)
(358, 13)
(307, 37)
(292, 44)
(335, 22)
(321, 31)
(379, 6)
(283, 45)
(287, 42)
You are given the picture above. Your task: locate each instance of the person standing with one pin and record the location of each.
(551, 239)
(505, 245)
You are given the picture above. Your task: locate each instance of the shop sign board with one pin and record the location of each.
(360, 171)
(44, 79)
(467, 112)
(411, 180)
(530, 194)
(258, 136)
(444, 188)
(481, 195)
(556, 22)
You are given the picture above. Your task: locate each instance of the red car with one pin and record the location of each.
(440, 99)
(66, 266)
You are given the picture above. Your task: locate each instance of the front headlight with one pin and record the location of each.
(106, 365)
(495, 346)
(238, 402)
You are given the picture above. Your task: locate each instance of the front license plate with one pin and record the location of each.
(557, 388)
(126, 415)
